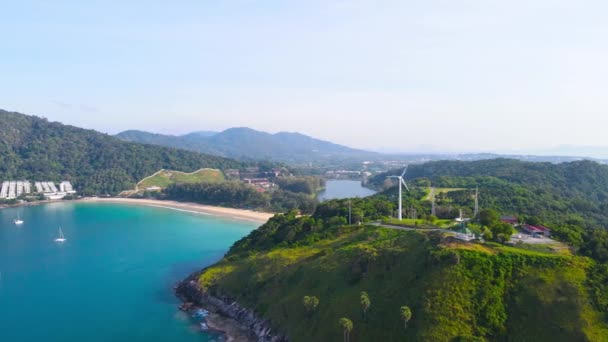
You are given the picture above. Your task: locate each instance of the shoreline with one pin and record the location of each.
(239, 214)
(224, 212)
(31, 204)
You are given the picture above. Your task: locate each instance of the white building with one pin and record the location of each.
(4, 190)
(66, 186)
(13, 189)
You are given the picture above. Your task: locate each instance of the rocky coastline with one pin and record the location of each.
(226, 315)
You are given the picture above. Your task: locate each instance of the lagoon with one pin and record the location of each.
(336, 189)
(112, 279)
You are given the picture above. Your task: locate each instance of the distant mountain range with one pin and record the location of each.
(248, 144)
(484, 156)
(600, 152)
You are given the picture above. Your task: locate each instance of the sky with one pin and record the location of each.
(414, 76)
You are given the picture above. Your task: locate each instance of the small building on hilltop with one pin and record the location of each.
(261, 183)
(461, 218)
(233, 173)
(464, 234)
(509, 219)
(537, 230)
(256, 181)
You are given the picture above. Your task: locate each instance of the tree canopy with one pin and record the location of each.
(34, 148)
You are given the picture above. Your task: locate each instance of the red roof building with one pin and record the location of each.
(509, 219)
(537, 230)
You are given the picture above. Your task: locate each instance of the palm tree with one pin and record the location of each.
(365, 302)
(310, 303)
(314, 302)
(346, 325)
(306, 302)
(406, 315)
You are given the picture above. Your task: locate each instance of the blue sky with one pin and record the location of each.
(395, 75)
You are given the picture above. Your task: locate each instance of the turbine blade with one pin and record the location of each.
(404, 171)
(404, 184)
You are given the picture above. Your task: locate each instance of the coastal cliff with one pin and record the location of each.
(455, 290)
(236, 322)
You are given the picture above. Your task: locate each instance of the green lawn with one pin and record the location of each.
(420, 223)
(440, 191)
(164, 178)
(556, 248)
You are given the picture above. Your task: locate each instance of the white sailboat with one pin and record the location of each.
(18, 220)
(61, 238)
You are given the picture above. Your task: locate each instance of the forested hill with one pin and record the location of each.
(455, 291)
(584, 180)
(34, 148)
(246, 143)
(509, 169)
(570, 196)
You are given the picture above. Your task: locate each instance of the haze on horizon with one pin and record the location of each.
(490, 76)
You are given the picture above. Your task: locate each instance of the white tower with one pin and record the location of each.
(401, 181)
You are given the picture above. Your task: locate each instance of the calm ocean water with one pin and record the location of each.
(335, 189)
(112, 280)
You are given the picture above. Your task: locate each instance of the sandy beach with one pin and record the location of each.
(240, 214)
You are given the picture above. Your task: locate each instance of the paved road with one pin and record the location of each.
(514, 238)
(390, 226)
(525, 238)
(431, 194)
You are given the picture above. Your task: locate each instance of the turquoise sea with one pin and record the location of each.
(112, 280)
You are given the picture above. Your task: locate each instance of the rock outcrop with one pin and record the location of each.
(261, 331)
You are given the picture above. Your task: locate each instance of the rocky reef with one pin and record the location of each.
(236, 322)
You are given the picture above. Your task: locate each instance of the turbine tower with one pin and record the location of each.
(401, 181)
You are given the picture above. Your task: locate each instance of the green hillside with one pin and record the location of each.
(575, 191)
(571, 198)
(164, 178)
(96, 163)
(239, 195)
(456, 291)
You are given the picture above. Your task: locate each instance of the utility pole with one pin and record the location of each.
(349, 213)
(476, 202)
(433, 209)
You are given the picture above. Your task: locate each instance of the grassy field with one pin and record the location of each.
(440, 191)
(164, 178)
(457, 291)
(444, 224)
(554, 248)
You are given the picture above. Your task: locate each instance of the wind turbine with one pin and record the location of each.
(401, 181)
